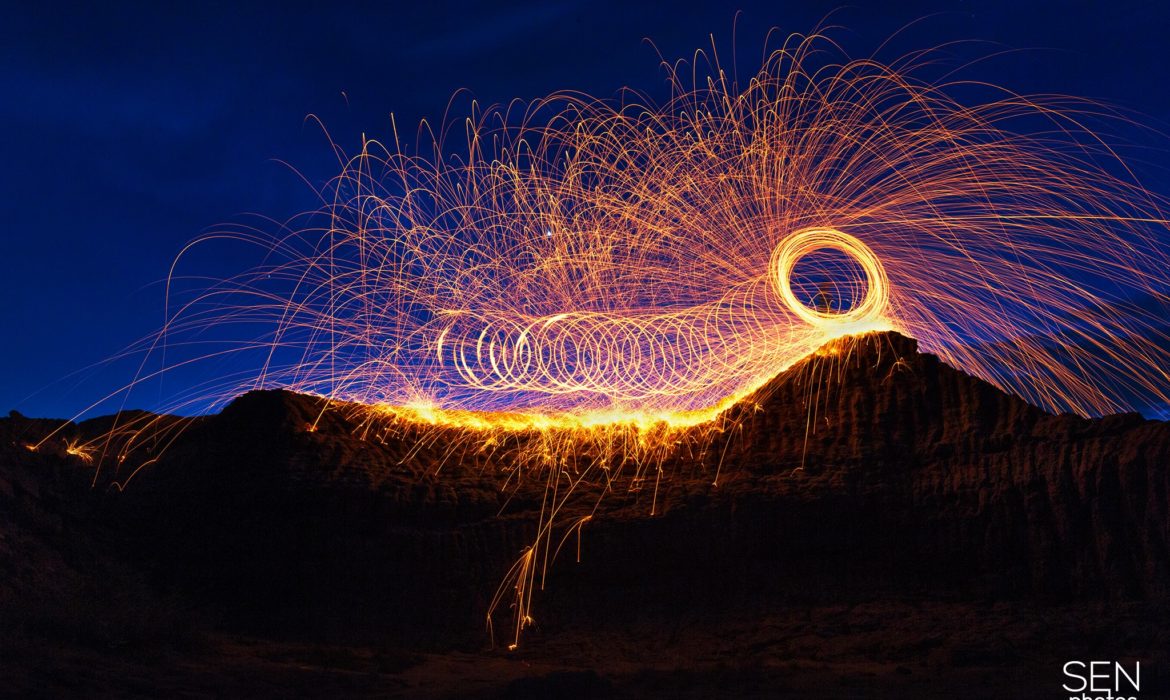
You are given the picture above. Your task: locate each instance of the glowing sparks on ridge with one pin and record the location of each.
(612, 276)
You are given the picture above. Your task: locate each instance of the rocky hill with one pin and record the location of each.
(869, 474)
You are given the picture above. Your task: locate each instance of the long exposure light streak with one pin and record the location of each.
(618, 272)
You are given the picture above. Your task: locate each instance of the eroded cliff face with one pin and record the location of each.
(967, 486)
(869, 469)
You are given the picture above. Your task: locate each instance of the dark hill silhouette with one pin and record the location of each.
(930, 504)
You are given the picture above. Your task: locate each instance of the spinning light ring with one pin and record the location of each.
(790, 251)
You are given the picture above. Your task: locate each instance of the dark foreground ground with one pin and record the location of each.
(880, 649)
(928, 536)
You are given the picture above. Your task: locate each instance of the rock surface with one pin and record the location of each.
(869, 485)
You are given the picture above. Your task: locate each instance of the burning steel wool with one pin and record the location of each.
(607, 277)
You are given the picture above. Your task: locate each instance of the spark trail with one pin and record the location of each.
(610, 275)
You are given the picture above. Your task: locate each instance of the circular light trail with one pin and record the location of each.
(872, 306)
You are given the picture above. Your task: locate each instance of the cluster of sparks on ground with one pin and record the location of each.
(615, 273)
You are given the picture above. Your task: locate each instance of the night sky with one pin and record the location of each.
(129, 130)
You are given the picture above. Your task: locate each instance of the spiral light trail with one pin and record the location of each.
(583, 268)
(591, 256)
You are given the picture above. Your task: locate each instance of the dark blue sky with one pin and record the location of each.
(130, 129)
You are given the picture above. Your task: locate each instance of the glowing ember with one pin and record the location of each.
(82, 452)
